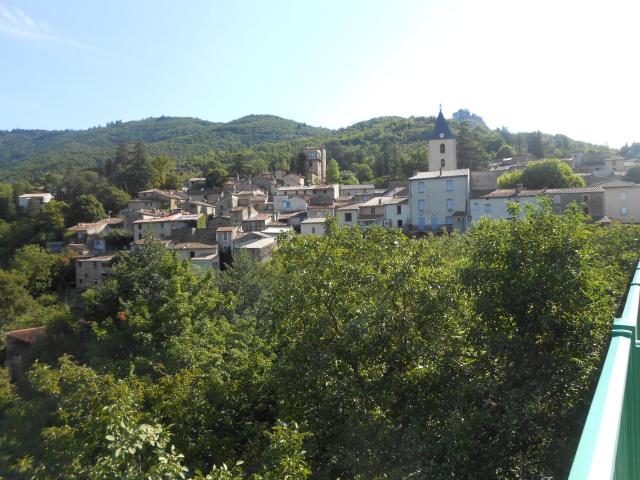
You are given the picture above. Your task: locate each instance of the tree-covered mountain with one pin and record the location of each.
(33, 152)
(377, 149)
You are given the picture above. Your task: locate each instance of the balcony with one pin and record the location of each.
(609, 447)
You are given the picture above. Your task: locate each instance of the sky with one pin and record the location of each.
(559, 66)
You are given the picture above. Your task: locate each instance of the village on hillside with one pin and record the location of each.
(208, 226)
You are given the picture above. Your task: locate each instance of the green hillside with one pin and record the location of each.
(34, 152)
(379, 148)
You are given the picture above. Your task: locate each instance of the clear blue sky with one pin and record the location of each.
(559, 66)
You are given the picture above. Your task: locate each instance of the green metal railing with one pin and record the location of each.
(609, 446)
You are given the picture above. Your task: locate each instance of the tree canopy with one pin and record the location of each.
(549, 173)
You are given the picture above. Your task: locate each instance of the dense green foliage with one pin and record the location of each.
(373, 151)
(633, 174)
(361, 354)
(550, 173)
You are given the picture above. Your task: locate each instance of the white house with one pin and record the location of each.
(383, 211)
(312, 226)
(439, 200)
(37, 198)
(495, 204)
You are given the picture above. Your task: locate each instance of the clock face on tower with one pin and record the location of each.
(441, 135)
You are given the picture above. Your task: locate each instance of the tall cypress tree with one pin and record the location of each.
(139, 171)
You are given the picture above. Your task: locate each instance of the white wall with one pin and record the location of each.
(496, 208)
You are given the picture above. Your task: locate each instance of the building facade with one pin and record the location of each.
(439, 200)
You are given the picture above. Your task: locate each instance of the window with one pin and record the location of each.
(448, 220)
(192, 254)
(442, 163)
(624, 210)
(313, 229)
(399, 223)
(86, 275)
(373, 210)
(442, 148)
(585, 198)
(556, 199)
(449, 185)
(139, 236)
(286, 205)
(420, 187)
(476, 206)
(347, 217)
(80, 280)
(623, 196)
(420, 204)
(487, 207)
(399, 209)
(139, 226)
(586, 210)
(449, 203)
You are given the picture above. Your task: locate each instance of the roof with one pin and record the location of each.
(381, 201)
(354, 206)
(441, 130)
(305, 187)
(276, 230)
(592, 189)
(364, 185)
(192, 246)
(203, 258)
(175, 217)
(462, 172)
(27, 335)
(328, 206)
(263, 242)
(314, 220)
(197, 179)
(163, 193)
(227, 229)
(81, 227)
(259, 216)
(511, 192)
(31, 195)
(618, 184)
(98, 258)
(288, 215)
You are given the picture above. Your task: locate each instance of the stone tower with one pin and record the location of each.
(317, 164)
(442, 147)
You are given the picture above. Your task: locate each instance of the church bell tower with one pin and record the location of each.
(442, 146)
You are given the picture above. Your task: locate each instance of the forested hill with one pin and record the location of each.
(37, 151)
(386, 147)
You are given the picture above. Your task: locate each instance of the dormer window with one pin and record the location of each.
(442, 148)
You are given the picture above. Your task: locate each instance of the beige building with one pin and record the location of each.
(90, 271)
(164, 226)
(622, 201)
(312, 226)
(201, 255)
